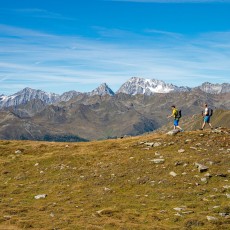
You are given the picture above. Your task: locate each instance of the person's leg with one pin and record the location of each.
(208, 121)
(176, 124)
(203, 125)
(205, 121)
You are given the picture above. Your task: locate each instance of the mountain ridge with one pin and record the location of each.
(133, 86)
(102, 117)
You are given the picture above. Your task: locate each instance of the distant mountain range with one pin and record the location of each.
(133, 86)
(139, 106)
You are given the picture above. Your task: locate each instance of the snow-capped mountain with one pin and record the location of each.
(137, 85)
(133, 86)
(26, 95)
(215, 88)
(102, 90)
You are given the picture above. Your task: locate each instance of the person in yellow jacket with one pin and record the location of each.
(175, 114)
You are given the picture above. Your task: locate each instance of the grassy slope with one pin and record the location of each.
(195, 121)
(118, 179)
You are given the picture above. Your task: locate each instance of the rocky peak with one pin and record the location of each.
(69, 95)
(137, 85)
(102, 90)
(208, 87)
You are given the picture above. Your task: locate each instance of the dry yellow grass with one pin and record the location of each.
(115, 184)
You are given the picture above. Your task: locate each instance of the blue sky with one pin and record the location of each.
(59, 45)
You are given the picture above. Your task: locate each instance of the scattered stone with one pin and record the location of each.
(107, 189)
(201, 168)
(204, 179)
(157, 154)
(178, 214)
(141, 142)
(173, 174)
(201, 135)
(208, 175)
(181, 151)
(171, 143)
(226, 186)
(188, 212)
(223, 214)
(107, 212)
(157, 144)
(41, 196)
(221, 174)
(187, 141)
(178, 163)
(18, 151)
(150, 144)
(158, 161)
(179, 209)
(36, 164)
(173, 132)
(146, 148)
(211, 218)
(228, 195)
(193, 148)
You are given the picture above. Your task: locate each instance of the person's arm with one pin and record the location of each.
(171, 115)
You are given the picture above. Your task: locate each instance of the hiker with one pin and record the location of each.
(206, 115)
(176, 115)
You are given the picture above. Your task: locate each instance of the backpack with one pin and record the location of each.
(179, 115)
(210, 112)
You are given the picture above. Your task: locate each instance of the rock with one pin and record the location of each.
(141, 142)
(204, 179)
(173, 132)
(188, 212)
(211, 218)
(171, 143)
(178, 163)
(157, 144)
(181, 151)
(228, 195)
(18, 151)
(179, 209)
(158, 161)
(226, 186)
(41, 196)
(150, 144)
(172, 174)
(222, 175)
(187, 141)
(193, 148)
(208, 175)
(107, 212)
(107, 189)
(36, 164)
(201, 168)
(224, 214)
